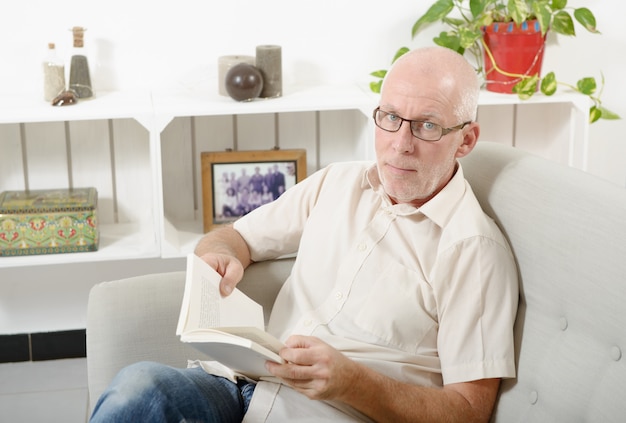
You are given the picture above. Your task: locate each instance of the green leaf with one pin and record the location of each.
(477, 7)
(499, 12)
(453, 22)
(401, 52)
(484, 20)
(526, 88)
(563, 23)
(518, 9)
(548, 84)
(543, 14)
(586, 18)
(587, 85)
(469, 37)
(607, 114)
(375, 86)
(558, 4)
(594, 114)
(436, 12)
(379, 73)
(449, 40)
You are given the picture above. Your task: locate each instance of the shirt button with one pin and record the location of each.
(362, 246)
(338, 296)
(616, 353)
(308, 322)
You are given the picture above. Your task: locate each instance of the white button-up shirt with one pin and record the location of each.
(424, 295)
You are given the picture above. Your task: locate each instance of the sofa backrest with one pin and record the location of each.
(567, 230)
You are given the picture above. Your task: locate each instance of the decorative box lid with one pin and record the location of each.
(49, 200)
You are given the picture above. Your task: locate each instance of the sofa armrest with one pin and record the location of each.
(135, 319)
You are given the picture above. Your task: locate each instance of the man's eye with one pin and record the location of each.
(392, 118)
(429, 126)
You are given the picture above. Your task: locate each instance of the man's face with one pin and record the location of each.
(412, 170)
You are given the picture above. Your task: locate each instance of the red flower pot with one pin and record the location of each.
(516, 50)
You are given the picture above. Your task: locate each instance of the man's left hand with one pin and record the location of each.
(314, 368)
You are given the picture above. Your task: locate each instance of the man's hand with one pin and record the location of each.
(229, 267)
(226, 252)
(314, 368)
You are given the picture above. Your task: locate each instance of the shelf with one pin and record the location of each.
(554, 127)
(488, 98)
(151, 174)
(105, 105)
(143, 106)
(180, 238)
(117, 242)
(168, 105)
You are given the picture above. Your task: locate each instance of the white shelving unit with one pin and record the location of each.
(103, 142)
(555, 127)
(330, 122)
(142, 151)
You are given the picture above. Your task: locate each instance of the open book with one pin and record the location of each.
(228, 329)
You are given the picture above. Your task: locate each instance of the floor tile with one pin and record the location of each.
(45, 391)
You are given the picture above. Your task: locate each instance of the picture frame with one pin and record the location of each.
(231, 181)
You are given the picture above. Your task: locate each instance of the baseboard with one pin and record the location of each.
(43, 346)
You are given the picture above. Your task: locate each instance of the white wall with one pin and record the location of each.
(143, 45)
(594, 55)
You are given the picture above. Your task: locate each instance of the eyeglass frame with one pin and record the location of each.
(444, 131)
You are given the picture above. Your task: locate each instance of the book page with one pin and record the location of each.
(204, 307)
(205, 339)
(262, 338)
(247, 360)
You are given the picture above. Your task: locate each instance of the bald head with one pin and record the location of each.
(453, 73)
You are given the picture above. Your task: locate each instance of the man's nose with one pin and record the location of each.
(404, 141)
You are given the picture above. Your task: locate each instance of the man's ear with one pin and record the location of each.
(470, 138)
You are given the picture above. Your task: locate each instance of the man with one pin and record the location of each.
(401, 302)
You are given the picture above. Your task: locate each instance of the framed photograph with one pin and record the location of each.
(236, 182)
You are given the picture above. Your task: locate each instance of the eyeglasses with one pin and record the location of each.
(422, 129)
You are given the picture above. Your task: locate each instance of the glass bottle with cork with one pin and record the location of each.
(53, 73)
(80, 79)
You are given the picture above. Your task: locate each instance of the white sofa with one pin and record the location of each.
(568, 233)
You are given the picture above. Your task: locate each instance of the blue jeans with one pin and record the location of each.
(153, 392)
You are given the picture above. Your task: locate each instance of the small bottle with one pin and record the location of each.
(80, 79)
(53, 74)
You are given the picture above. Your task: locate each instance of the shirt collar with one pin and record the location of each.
(442, 206)
(439, 209)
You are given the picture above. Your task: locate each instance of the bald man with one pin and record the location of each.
(401, 302)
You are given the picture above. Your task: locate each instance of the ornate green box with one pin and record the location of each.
(48, 221)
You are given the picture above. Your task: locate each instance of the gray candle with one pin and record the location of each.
(224, 63)
(269, 62)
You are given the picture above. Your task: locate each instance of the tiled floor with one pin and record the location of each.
(51, 391)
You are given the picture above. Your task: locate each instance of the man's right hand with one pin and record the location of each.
(229, 267)
(226, 252)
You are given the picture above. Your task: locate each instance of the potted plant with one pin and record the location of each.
(473, 26)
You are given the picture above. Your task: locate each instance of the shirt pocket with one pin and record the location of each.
(398, 309)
